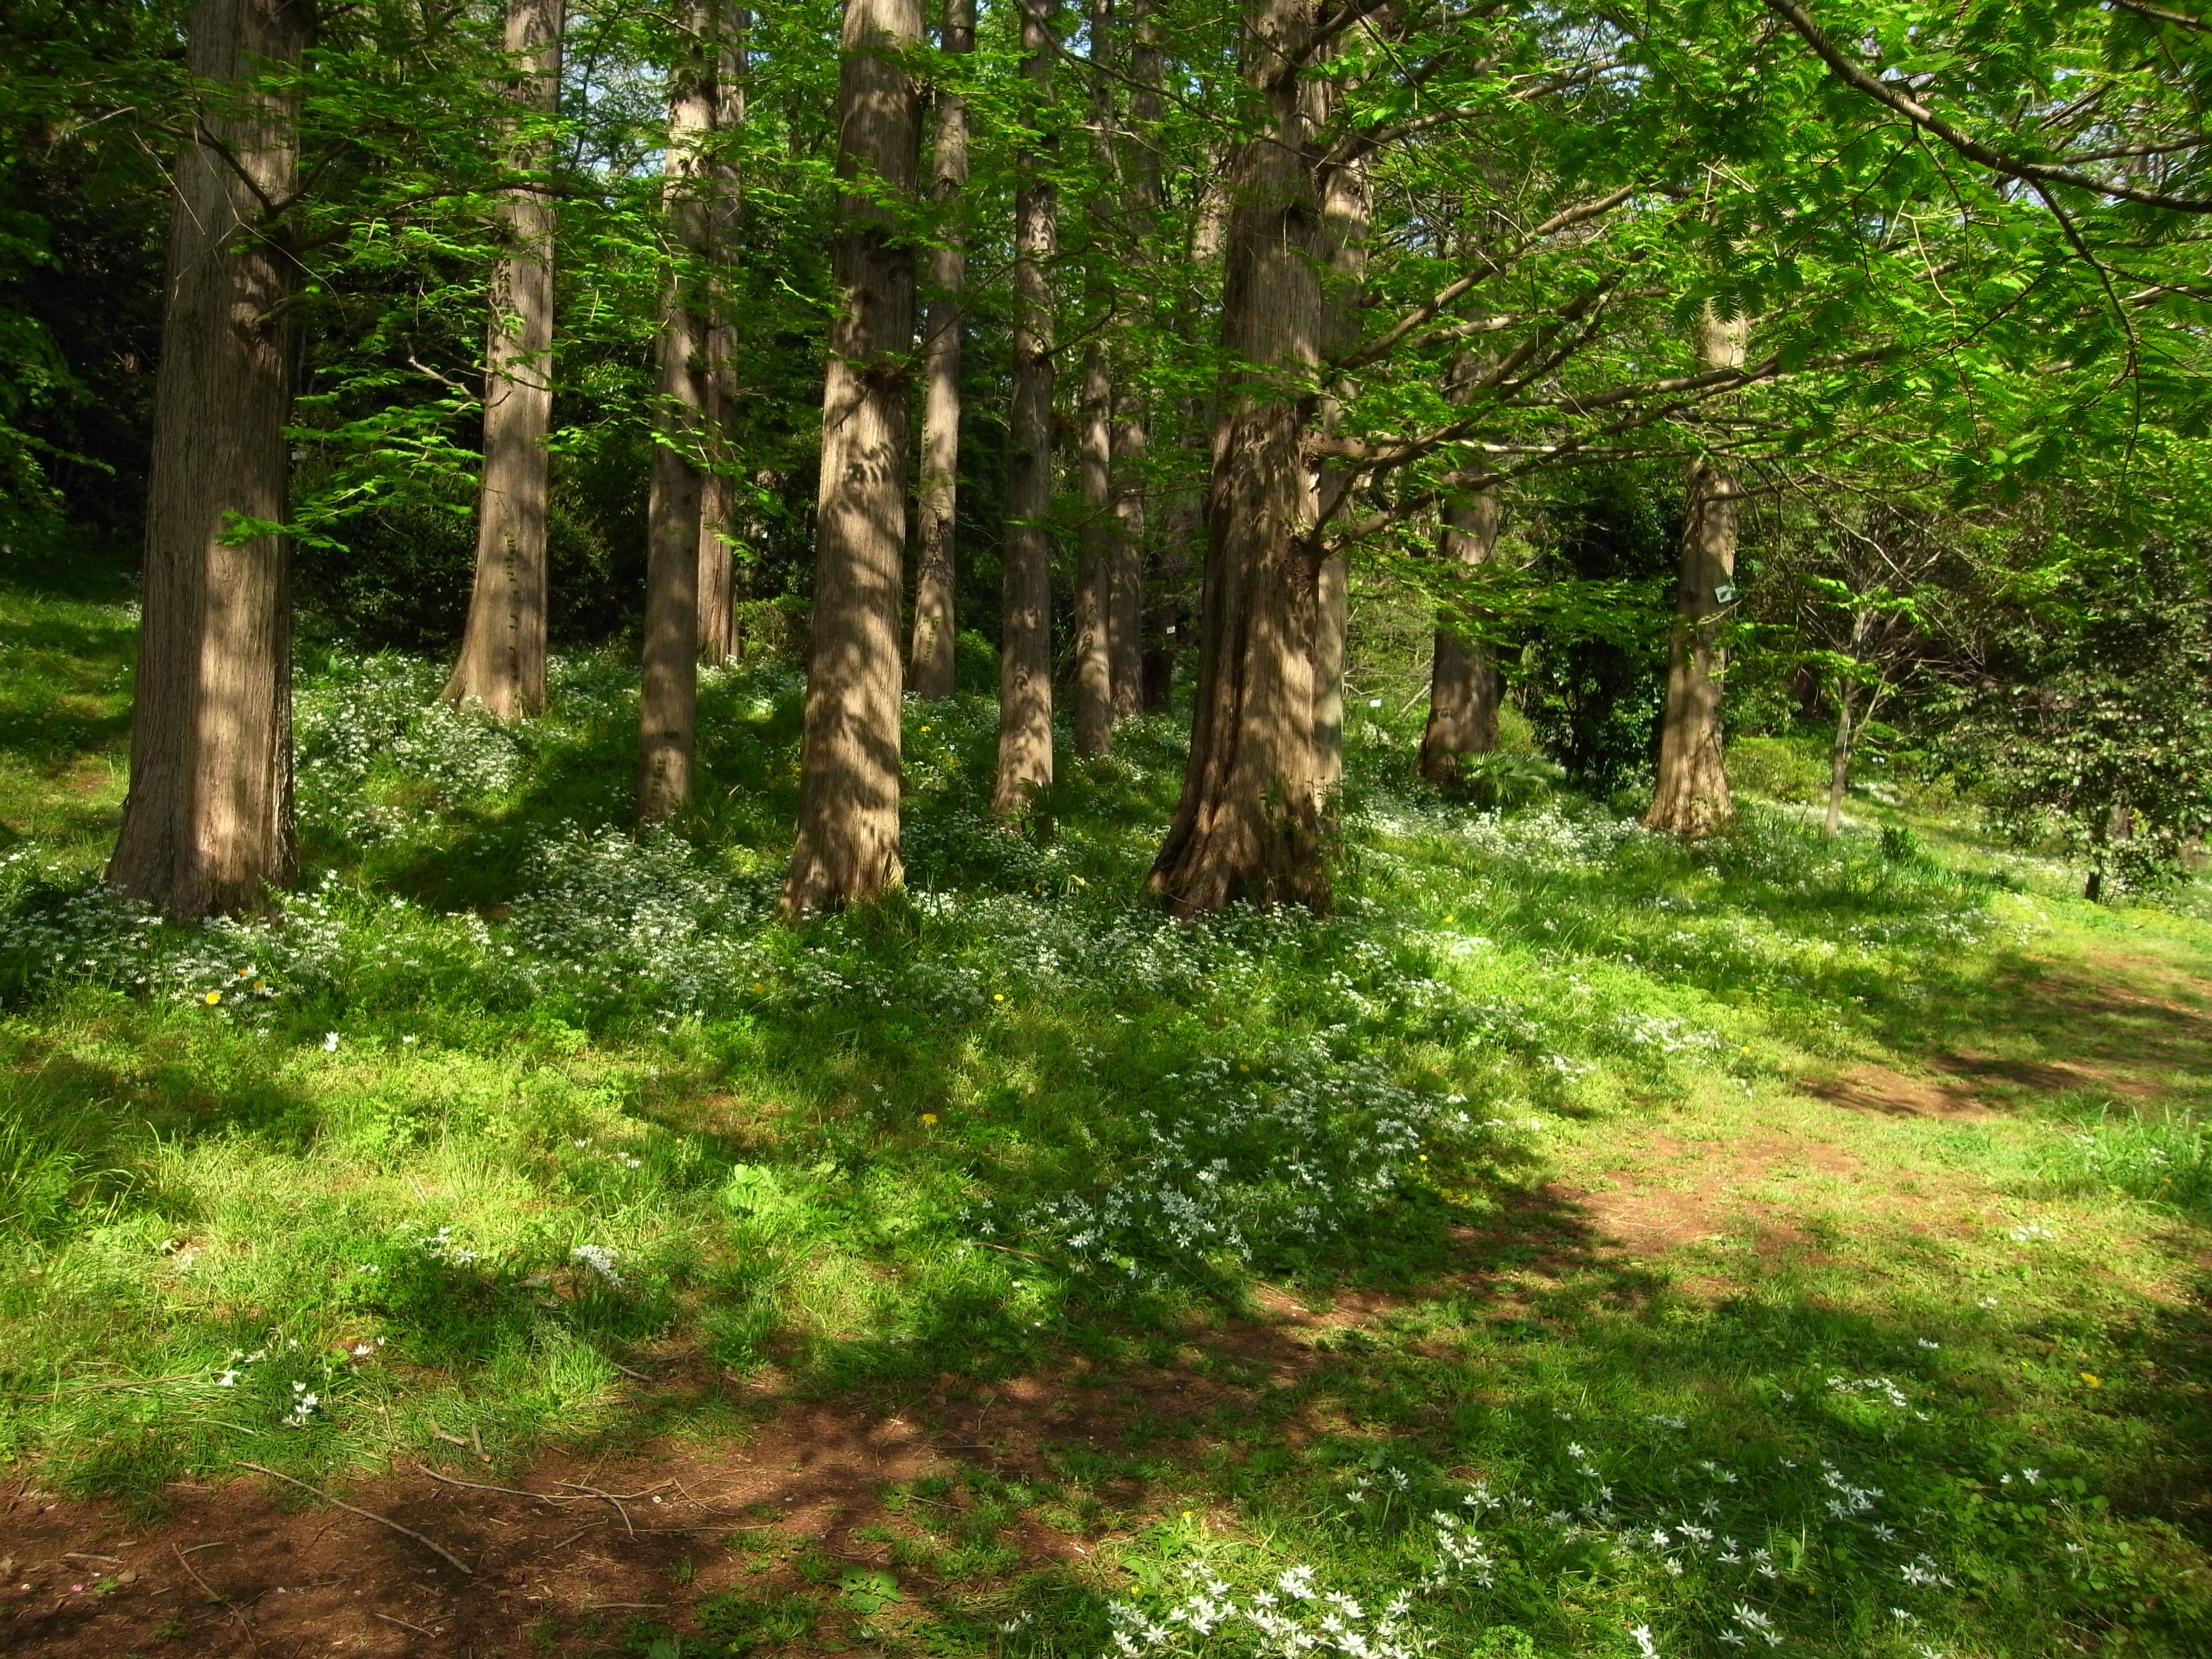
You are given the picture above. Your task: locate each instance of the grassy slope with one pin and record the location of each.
(1808, 1199)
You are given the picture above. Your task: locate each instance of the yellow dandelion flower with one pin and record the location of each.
(925, 728)
(2094, 1381)
(212, 997)
(929, 1117)
(998, 996)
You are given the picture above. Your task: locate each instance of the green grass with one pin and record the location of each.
(1541, 1127)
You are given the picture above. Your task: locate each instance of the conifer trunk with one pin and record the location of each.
(1692, 798)
(848, 800)
(1347, 210)
(1025, 631)
(207, 825)
(1094, 649)
(668, 698)
(1332, 629)
(1132, 442)
(501, 664)
(935, 624)
(1248, 824)
(1463, 679)
(1125, 579)
(718, 533)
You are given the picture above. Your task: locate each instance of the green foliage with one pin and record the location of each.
(2098, 735)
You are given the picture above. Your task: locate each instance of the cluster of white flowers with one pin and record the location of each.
(1293, 1618)
(56, 927)
(363, 714)
(1240, 1162)
(611, 917)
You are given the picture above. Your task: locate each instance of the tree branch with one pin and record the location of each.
(1855, 74)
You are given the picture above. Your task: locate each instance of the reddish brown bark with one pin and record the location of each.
(935, 625)
(1025, 629)
(1095, 560)
(849, 824)
(501, 663)
(720, 534)
(1248, 824)
(668, 693)
(207, 825)
(1464, 681)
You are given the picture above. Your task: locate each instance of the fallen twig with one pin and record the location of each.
(366, 1514)
(389, 1619)
(245, 1624)
(571, 1538)
(511, 1491)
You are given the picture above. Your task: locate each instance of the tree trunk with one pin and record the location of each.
(1691, 797)
(1332, 624)
(1132, 442)
(720, 536)
(935, 626)
(501, 663)
(1025, 633)
(1248, 824)
(668, 699)
(1839, 762)
(1095, 559)
(849, 796)
(207, 826)
(1347, 210)
(1463, 683)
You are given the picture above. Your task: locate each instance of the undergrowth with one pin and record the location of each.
(508, 1098)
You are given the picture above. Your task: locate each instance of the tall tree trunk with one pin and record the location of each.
(207, 826)
(1331, 630)
(1248, 825)
(668, 699)
(1132, 442)
(1094, 652)
(720, 536)
(935, 625)
(1464, 681)
(1691, 797)
(849, 795)
(1025, 632)
(1839, 762)
(501, 663)
(1347, 209)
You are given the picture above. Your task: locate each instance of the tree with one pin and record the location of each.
(207, 825)
(1248, 825)
(501, 663)
(668, 698)
(935, 624)
(1464, 684)
(1025, 627)
(847, 845)
(2091, 724)
(718, 529)
(1690, 797)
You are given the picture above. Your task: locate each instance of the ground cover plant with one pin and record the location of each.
(1576, 1243)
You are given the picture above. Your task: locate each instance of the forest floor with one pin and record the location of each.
(1577, 1245)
